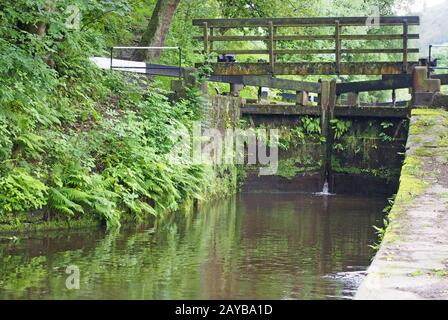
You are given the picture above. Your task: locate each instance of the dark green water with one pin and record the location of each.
(254, 246)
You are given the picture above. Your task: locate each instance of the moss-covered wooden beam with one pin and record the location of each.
(349, 111)
(310, 68)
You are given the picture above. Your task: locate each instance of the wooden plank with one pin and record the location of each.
(374, 85)
(238, 51)
(233, 38)
(373, 112)
(380, 50)
(285, 110)
(269, 82)
(339, 111)
(212, 31)
(279, 51)
(274, 45)
(206, 49)
(338, 46)
(405, 45)
(443, 78)
(309, 37)
(310, 51)
(311, 68)
(291, 22)
(325, 127)
(378, 36)
(271, 46)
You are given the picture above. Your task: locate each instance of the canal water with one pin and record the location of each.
(252, 246)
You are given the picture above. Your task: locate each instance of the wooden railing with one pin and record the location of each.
(272, 36)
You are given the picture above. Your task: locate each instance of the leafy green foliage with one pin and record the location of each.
(76, 141)
(20, 191)
(340, 127)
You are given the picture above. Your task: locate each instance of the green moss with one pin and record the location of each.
(428, 112)
(425, 152)
(412, 185)
(289, 168)
(417, 273)
(50, 225)
(386, 173)
(440, 273)
(425, 118)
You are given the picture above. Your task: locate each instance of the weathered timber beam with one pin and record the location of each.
(373, 112)
(311, 68)
(443, 78)
(310, 51)
(372, 50)
(386, 104)
(349, 112)
(269, 82)
(374, 85)
(285, 110)
(290, 22)
(440, 101)
(306, 37)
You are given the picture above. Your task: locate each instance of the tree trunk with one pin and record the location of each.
(155, 33)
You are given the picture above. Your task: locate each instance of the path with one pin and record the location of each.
(413, 260)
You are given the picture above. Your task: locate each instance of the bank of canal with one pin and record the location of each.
(412, 262)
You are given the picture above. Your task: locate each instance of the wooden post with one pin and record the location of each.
(211, 41)
(405, 46)
(302, 98)
(275, 43)
(333, 97)
(271, 46)
(330, 134)
(324, 100)
(206, 48)
(235, 89)
(337, 38)
(352, 98)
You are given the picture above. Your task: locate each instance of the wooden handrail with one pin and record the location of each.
(311, 51)
(339, 48)
(309, 22)
(366, 37)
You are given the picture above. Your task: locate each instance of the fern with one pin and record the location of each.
(64, 200)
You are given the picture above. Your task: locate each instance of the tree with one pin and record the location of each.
(157, 29)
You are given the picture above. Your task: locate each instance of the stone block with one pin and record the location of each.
(421, 83)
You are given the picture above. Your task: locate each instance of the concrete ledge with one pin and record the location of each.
(412, 262)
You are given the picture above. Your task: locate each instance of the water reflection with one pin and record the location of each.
(254, 246)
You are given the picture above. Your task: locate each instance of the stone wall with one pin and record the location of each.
(412, 261)
(366, 159)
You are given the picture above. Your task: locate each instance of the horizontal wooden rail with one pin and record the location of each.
(269, 82)
(310, 68)
(273, 37)
(443, 78)
(374, 85)
(366, 37)
(313, 51)
(339, 111)
(294, 22)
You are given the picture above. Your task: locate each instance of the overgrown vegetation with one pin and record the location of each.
(77, 142)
